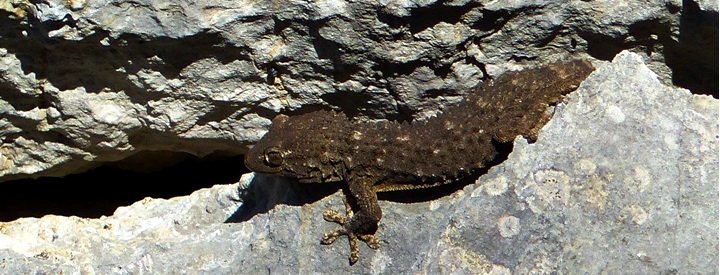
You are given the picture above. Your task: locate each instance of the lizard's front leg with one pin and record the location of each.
(358, 224)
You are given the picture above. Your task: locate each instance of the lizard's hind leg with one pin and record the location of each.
(330, 237)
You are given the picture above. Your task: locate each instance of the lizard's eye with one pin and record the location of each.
(273, 157)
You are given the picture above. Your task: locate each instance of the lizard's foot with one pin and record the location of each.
(330, 237)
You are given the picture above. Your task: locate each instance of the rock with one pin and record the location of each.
(623, 179)
(89, 82)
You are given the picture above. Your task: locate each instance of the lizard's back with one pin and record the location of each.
(463, 138)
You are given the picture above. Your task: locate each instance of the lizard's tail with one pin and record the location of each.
(523, 103)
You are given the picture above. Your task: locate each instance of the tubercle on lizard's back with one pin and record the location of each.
(325, 145)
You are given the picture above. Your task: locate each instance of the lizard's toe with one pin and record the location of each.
(354, 250)
(334, 216)
(370, 239)
(331, 236)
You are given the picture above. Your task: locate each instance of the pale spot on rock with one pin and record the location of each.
(434, 205)
(493, 187)
(546, 189)
(595, 192)
(637, 214)
(499, 270)
(671, 142)
(587, 166)
(615, 114)
(640, 179)
(508, 226)
(106, 112)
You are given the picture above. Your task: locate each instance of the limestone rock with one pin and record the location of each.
(87, 82)
(623, 179)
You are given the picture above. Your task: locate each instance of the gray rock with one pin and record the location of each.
(623, 179)
(707, 5)
(88, 82)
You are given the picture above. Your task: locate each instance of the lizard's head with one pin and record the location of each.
(303, 147)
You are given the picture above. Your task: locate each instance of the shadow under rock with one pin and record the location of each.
(266, 191)
(102, 190)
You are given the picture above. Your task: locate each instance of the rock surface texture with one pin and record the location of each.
(624, 178)
(87, 82)
(640, 197)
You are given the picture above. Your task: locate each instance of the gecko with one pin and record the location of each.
(382, 156)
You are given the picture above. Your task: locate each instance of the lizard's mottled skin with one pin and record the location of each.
(326, 146)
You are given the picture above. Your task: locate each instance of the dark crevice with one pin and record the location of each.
(481, 66)
(423, 18)
(693, 59)
(178, 53)
(102, 190)
(352, 103)
(227, 109)
(553, 34)
(602, 46)
(672, 7)
(309, 108)
(605, 47)
(263, 111)
(404, 114)
(443, 70)
(394, 69)
(280, 25)
(692, 56)
(35, 135)
(492, 21)
(22, 101)
(272, 73)
(219, 113)
(520, 58)
(643, 35)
